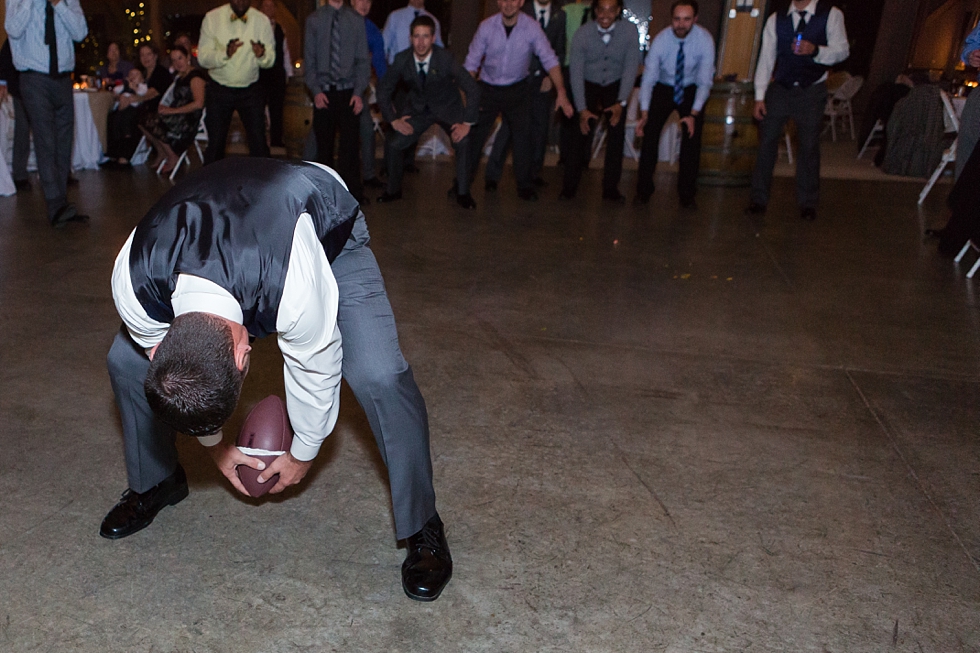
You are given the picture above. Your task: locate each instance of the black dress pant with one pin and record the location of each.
(542, 111)
(397, 144)
(221, 102)
(579, 151)
(661, 106)
(274, 89)
(513, 103)
(339, 117)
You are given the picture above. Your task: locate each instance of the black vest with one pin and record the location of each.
(793, 69)
(232, 223)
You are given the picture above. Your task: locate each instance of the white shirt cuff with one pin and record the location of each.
(211, 440)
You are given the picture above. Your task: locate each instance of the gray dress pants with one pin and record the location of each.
(805, 106)
(373, 366)
(51, 111)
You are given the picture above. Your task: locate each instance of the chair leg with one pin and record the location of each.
(973, 270)
(850, 118)
(789, 148)
(867, 141)
(966, 248)
(932, 180)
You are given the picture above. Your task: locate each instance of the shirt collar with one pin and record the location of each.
(606, 31)
(809, 10)
(198, 295)
(539, 8)
(425, 61)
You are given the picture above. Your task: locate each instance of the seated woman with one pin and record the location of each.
(157, 77)
(173, 127)
(121, 126)
(116, 68)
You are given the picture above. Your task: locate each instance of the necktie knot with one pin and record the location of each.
(542, 19)
(801, 23)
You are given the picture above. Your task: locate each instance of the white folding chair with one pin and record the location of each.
(184, 159)
(839, 104)
(201, 136)
(877, 130)
(949, 154)
(959, 257)
(141, 154)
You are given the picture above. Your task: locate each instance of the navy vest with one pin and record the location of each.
(232, 223)
(793, 69)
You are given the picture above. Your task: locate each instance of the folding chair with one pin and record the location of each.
(839, 104)
(959, 257)
(877, 130)
(949, 154)
(202, 135)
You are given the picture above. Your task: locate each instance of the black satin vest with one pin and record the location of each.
(232, 223)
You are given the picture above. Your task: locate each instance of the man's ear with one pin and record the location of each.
(152, 351)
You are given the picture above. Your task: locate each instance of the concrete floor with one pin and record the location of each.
(652, 430)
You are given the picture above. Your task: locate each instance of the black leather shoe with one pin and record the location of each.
(374, 182)
(613, 196)
(808, 214)
(135, 511)
(67, 214)
(489, 186)
(466, 201)
(528, 194)
(755, 209)
(386, 197)
(428, 565)
(22, 184)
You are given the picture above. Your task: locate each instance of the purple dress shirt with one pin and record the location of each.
(504, 60)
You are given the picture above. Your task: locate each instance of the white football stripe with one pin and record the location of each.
(259, 452)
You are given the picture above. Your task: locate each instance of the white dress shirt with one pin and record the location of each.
(308, 335)
(538, 8)
(836, 50)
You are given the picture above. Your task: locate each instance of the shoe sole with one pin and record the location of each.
(177, 497)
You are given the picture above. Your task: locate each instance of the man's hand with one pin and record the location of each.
(227, 457)
(546, 85)
(357, 103)
(804, 48)
(615, 113)
(562, 103)
(320, 101)
(759, 112)
(402, 126)
(258, 49)
(687, 122)
(973, 59)
(459, 131)
(290, 470)
(641, 123)
(232, 47)
(584, 120)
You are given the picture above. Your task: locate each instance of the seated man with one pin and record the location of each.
(434, 81)
(252, 247)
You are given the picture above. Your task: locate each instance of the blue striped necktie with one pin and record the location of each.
(679, 75)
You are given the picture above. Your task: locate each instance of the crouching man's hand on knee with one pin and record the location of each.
(291, 471)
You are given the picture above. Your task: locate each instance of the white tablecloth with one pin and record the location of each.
(86, 149)
(7, 187)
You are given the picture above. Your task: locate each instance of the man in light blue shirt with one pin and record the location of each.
(42, 41)
(970, 119)
(398, 31)
(677, 76)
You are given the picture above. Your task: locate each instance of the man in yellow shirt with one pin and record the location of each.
(236, 40)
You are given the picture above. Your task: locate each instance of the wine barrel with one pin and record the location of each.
(729, 137)
(297, 118)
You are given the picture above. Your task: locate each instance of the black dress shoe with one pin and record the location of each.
(539, 182)
(67, 214)
(528, 194)
(755, 209)
(466, 201)
(489, 186)
(688, 203)
(374, 182)
(613, 196)
(135, 511)
(808, 214)
(22, 184)
(428, 565)
(386, 197)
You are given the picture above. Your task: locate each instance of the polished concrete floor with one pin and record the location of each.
(652, 430)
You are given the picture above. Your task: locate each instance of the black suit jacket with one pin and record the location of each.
(441, 95)
(555, 33)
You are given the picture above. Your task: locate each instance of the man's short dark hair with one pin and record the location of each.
(193, 382)
(693, 4)
(595, 6)
(423, 21)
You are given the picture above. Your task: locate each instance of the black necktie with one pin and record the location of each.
(541, 20)
(422, 73)
(50, 38)
(801, 25)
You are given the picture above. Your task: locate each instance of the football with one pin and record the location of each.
(265, 435)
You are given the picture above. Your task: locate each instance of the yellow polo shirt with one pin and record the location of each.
(242, 69)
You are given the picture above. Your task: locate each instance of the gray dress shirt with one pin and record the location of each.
(355, 61)
(602, 63)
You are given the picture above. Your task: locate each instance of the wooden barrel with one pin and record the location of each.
(297, 118)
(730, 138)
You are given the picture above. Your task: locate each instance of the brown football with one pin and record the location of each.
(265, 435)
